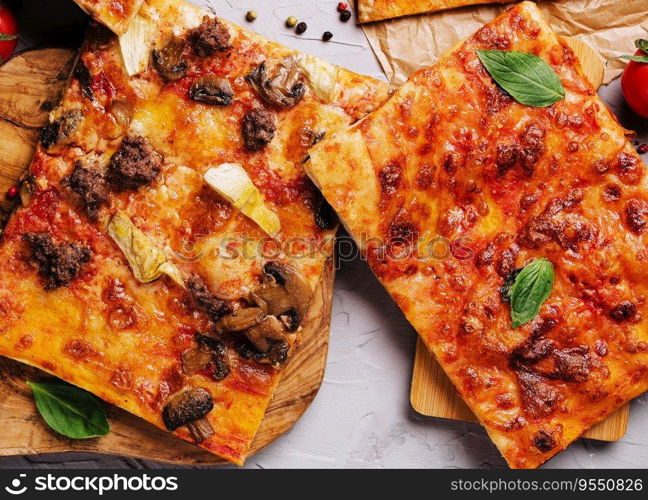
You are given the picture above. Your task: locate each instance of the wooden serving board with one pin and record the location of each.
(30, 85)
(432, 394)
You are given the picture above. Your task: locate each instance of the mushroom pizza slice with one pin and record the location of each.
(169, 242)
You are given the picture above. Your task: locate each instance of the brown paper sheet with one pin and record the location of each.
(609, 26)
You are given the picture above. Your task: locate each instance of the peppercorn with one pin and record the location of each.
(342, 6)
(291, 21)
(12, 192)
(251, 15)
(345, 15)
(642, 149)
(301, 28)
(327, 36)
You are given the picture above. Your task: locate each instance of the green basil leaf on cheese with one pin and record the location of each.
(530, 289)
(526, 77)
(69, 410)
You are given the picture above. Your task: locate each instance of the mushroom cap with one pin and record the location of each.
(186, 406)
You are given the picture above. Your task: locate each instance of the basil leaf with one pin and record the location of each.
(526, 77)
(530, 289)
(639, 59)
(69, 410)
(642, 45)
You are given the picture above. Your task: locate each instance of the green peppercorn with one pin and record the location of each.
(291, 21)
(251, 15)
(327, 36)
(345, 15)
(301, 28)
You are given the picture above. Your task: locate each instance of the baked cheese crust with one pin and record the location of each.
(136, 148)
(452, 186)
(115, 14)
(377, 10)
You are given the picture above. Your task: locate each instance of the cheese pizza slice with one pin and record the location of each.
(512, 237)
(169, 242)
(115, 14)
(377, 10)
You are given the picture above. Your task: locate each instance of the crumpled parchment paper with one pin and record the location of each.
(609, 26)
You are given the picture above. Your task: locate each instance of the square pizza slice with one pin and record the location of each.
(464, 200)
(115, 14)
(169, 241)
(378, 10)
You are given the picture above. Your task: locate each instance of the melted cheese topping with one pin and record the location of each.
(451, 186)
(107, 332)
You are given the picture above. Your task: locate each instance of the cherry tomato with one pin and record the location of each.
(8, 33)
(634, 83)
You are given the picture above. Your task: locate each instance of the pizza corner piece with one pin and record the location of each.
(169, 241)
(380, 10)
(116, 15)
(513, 236)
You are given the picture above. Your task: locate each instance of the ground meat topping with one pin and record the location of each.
(58, 263)
(555, 223)
(135, 164)
(636, 212)
(629, 168)
(258, 129)
(533, 146)
(540, 399)
(544, 441)
(624, 311)
(90, 186)
(573, 364)
(205, 300)
(210, 37)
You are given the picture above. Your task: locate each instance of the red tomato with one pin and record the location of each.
(8, 33)
(634, 83)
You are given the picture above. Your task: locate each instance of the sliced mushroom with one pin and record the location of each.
(267, 342)
(279, 82)
(168, 61)
(219, 357)
(278, 353)
(295, 284)
(189, 406)
(122, 110)
(263, 335)
(60, 128)
(212, 90)
(242, 319)
(201, 430)
(210, 353)
(272, 298)
(196, 359)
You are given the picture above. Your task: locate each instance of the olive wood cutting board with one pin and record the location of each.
(30, 86)
(432, 394)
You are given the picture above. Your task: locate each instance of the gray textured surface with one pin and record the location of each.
(362, 417)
